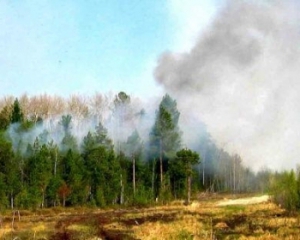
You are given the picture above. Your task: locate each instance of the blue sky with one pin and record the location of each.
(83, 46)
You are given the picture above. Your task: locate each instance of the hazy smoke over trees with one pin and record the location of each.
(242, 80)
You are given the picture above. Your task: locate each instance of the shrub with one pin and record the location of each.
(285, 190)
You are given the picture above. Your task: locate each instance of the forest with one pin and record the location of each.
(110, 150)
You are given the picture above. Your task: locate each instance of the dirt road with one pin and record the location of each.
(244, 201)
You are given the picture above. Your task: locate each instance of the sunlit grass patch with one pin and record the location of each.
(234, 208)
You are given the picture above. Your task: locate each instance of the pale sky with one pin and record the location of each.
(83, 46)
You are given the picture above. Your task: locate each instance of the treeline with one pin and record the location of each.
(47, 163)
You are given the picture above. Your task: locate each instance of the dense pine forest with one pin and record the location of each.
(107, 150)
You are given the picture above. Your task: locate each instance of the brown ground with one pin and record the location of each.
(210, 217)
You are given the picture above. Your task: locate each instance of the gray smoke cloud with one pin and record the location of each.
(242, 80)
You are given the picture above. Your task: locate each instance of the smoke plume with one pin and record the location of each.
(120, 122)
(242, 80)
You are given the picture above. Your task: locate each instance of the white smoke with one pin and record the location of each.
(242, 80)
(120, 125)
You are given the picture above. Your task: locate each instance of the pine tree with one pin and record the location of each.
(39, 173)
(5, 118)
(9, 169)
(165, 136)
(185, 159)
(17, 115)
(68, 141)
(72, 173)
(101, 166)
(122, 115)
(134, 150)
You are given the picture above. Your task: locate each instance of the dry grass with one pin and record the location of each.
(203, 219)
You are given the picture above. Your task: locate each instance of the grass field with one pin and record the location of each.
(203, 219)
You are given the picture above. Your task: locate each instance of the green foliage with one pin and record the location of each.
(65, 122)
(121, 111)
(38, 169)
(178, 176)
(142, 196)
(165, 133)
(17, 115)
(23, 200)
(134, 145)
(68, 141)
(180, 169)
(101, 137)
(72, 172)
(5, 120)
(184, 235)
(165, 194)
(26, 125)
(42, 172)
(164, 138)
(187, 158)
(3, 198)
(285, 190)
(9, 167)
(52, 195)
(101, 167)
(234, 209)
(121, 98)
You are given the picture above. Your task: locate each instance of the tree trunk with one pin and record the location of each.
(55, 162)
(153, 176)
(133, 174)
(43, 198)
(21, 164)
(203, 174)
(122, 190)
(188, 197)
(161, 162)
(64, 200)
(234, 160)
(11, 200)
(188, 180)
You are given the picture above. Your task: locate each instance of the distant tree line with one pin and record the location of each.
(107, 168)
